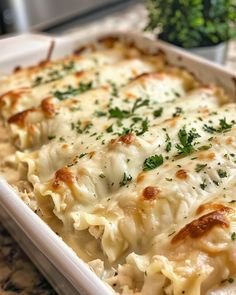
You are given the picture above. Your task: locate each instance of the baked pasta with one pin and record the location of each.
(132, 162)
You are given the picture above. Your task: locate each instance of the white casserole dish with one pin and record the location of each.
(67, 273)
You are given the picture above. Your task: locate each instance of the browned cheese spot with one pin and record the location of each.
(181, 174)
(150, 193)
(201, 226)
(20, 118)
(48, 107)
(127, 138)
(63, 175)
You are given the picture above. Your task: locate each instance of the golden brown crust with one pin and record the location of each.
(127, 138)
(63, 175)
(181, 174)
(201, 226)
(20, 118)
(211, 206)
(13, 95)
(150, 193)
(48, 107)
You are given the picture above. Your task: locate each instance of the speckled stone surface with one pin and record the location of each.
(17, 273)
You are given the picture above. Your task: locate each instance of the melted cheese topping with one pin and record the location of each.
(133, 162)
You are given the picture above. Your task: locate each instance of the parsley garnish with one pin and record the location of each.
(168, 146)
(144, 127)
(199, 167)
(203, 185)
(233, 236)
(222, 173)
(109, 129)
(99, 114)
(37, 81)
(178, 111)
(205, 147)
(223, 127)
(209, 129)
(186, 140)
(139, 103)
(126, 179)
(117, 113)
(83, 87)
(114, 88)
(153, 162)
(50, 137)
(157, 113)
(123, 114)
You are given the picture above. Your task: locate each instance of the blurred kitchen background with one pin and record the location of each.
(17, 16)
(196, 27)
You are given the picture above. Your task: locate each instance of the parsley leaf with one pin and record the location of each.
(168, 146)
(222, 173)
(62, 95)
(99, 114)
(199, 167)
(186, 141)
(153, 162)
(205, 147)
(126, 179)
(118, 113)
(223, 127)
(144, 127)
(157, 113)
(139, 103)
(50, 137)
(178, 111)
(109, 129)
(203, 185)
(233, 236)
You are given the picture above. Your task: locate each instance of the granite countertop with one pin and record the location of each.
(17, 274)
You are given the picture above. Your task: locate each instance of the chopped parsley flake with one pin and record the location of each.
(203, 185)
(222, 173)
(153, 162)
(109, 129)
(157, 113)
(186, 141)
(168, 146)
(233, 236)
(144, 127)
(126, 179)
(50, 137)
(199, 167)
(205, 147)
(100, 114)
(117, 113)
(83, 87)
(82, 155)
(178, 111)
(114, 88)
(223, 127)
(139, 103)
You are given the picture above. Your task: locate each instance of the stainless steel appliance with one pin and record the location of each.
(53, 15)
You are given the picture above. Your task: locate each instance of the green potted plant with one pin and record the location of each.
(201, 26)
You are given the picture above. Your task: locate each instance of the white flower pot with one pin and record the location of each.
(216, 53)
